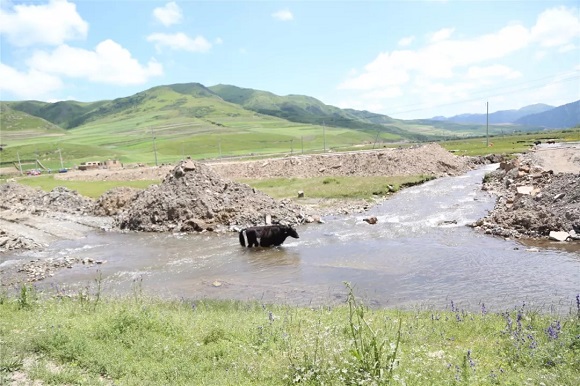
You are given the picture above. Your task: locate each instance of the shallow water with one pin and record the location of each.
(406, 259)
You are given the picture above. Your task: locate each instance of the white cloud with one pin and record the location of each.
(109, 63)
(406, 41)
(557, 27)
(283, 15)
(567, 48)
(169, 14)
(442, 34)
(180, 42)
(49, 24)
(27, 85)
(447, 70)
(218, 41)
(437, 60)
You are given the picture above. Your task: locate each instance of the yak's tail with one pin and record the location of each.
(242, 240)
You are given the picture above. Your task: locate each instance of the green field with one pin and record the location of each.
(334, 187)
(508, 144)
(166, 123)
(92, 189)
(90, 339)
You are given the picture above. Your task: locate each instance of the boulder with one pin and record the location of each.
(559, 236)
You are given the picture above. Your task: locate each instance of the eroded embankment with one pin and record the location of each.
(533, 202)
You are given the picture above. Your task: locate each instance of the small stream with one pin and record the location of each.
(407, 259)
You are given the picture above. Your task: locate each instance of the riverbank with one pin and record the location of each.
(538, 196)
(88, 339)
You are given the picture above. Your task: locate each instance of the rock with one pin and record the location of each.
(559, 236)
(559, 196)
(188, 165)
(300, 193)
(525, 190)
(371, 220)
(216, 284)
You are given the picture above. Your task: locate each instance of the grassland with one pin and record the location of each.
(92, 189)
(335, 187)
(166, 123)
(508, 144)
(90, 339)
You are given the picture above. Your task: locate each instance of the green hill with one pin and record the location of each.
(18, 125)
(167, 123)
(305, 109)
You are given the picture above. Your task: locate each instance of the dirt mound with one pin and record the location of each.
(429, 159)
(24, 198)
(113, 201)
(10, 241)
(195, 198)
(532, 202)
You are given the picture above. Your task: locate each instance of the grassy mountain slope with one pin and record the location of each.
(15, 124)
(305, 109)
(166, 123)
(169, 122)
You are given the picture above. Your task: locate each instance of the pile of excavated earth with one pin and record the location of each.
(429, 159)
(31, 218)
(192, 197)
(533, 202)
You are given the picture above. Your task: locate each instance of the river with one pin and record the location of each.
(409, 258)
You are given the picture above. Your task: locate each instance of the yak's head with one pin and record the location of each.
(291, 232)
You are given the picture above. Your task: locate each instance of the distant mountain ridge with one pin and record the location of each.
(567, 115)
(503, 116)
(225, 107)
(536, 115)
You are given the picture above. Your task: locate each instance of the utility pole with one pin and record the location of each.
(376, 139)
(60, 154)
(487, 124)
(324, 135)
(19, 164)
(154, 147)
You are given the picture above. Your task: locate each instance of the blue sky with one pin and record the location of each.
(406, 59)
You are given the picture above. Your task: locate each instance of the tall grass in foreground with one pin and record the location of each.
(88, 339)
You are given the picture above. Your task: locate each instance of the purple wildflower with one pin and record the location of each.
(533, 343)
(519, 318)
(553, 330)
(471, 362)
(483, 309)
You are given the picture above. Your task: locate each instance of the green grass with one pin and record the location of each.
(507, 144)
(90, 339)
(334, 187)
(92, 189)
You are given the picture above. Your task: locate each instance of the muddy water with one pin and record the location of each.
(409, 258)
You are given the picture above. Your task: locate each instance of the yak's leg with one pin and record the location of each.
(252, 238)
